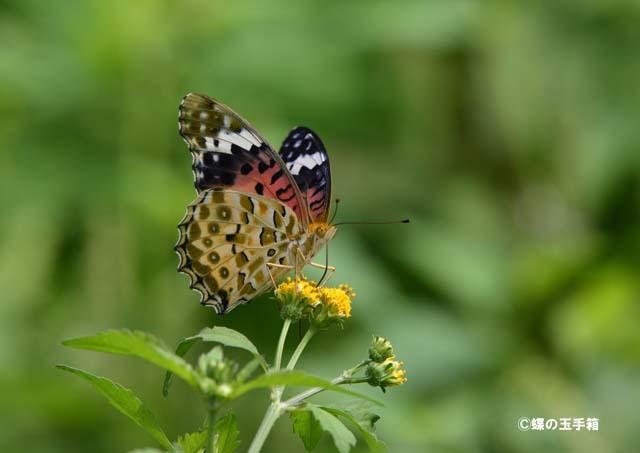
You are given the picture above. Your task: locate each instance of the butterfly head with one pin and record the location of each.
(323, 231)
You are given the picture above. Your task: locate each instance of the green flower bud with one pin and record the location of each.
(214, 366)
(380, 349)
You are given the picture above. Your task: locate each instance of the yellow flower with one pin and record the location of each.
(301, 298)
(297, 298)
(300, 289)
(338, 300)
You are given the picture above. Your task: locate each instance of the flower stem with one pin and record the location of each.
(211, 429)
(303, 344)
(280, 348)
(269, 419)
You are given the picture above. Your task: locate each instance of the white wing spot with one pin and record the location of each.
(223, 147)
(297, 144)
(204, 115)
(310, 160)
(249, 137)
(203, 128)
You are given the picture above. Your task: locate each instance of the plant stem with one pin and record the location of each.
(211, 429)
(303, 344)
(280, 348)
(275, 408)
(269, 419)
(345, 377)
(309, 393)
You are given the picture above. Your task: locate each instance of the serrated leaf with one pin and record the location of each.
(138, 344)
(342, 437)
(295, 377)
(227, 434)
(307, 427)
(125, 401)
(364, 420)
(192, 442)
(218, 334)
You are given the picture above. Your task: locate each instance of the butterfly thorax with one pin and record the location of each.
(308, 243)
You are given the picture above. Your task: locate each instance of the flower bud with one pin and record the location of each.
(380, 349)
(385, 374)
(214, 366)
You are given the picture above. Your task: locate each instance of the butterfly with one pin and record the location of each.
(258, 214)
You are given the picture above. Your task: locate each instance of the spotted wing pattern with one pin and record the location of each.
(306, 158)
(228, 152)
(226, 240)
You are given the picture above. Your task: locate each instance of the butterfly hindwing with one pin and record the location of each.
(306, 158)
(226, 240)
(228, 152)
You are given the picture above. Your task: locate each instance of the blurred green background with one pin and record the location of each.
(507, 131)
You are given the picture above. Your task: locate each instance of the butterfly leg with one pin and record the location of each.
(278, 266)
(329, 269)
(304, 260)
(329, 272)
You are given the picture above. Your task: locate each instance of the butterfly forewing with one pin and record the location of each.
(306, 158)
(228, 152)
(226, 240)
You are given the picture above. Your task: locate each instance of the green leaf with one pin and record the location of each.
(361, 411)
(192, 442)
(228, 337)
(295, 378)
(137, 344)
(227, 434)
(125, 401)
(222, 335)
(342, 437)
(362, 417)
(307, 427)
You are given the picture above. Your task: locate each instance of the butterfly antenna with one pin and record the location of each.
(335, 211)
(389, 222)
